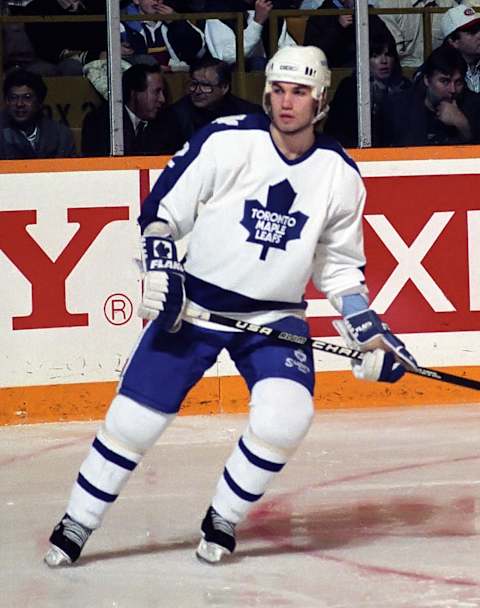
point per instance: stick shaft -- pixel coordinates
(321, 345)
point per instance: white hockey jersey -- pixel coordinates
(261, 225)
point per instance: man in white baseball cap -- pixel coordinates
(461, 29)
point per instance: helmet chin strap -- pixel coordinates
(322, 111)
(321, 115)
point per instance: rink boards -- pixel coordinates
(70, 283)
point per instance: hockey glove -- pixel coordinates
(386, 357)
(163, 288)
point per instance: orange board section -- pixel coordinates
(229, 394)
(110, 163)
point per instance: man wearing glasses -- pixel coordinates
(208, 97)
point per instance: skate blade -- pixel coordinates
(211, 553)
(55, 558)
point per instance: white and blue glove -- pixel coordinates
(163, 288)
(385, 356)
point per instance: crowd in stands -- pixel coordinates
(415, 100)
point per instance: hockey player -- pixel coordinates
(268, 204)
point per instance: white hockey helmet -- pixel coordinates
(305, 65)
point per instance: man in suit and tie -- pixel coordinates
(144, 130)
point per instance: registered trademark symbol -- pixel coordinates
(118, 309)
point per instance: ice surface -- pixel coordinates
(377, 509)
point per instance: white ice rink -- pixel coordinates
(377, 509)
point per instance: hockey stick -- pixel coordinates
(326, 347)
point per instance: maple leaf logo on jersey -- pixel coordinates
(273, 225)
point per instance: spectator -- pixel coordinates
(65, 47)
(17, 48)
(208, 97)
(336, 35)
(438, 110)
(407, 29)
(220, 34)
(173, 44)
(461, 29)
(144, 132)
(24, 131)
(385, 78)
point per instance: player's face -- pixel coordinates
(293, 107)
(147, 104)
(444, 87)
(22, 104)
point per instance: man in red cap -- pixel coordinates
(461, 29)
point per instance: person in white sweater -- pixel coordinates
(220, 34)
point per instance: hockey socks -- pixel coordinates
(246, 475)
(130, 429)
(102, 475)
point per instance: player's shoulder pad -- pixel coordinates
(325, 142)
(192, 149)
(239, 122)
(190, 154)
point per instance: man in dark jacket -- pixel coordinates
(144, 129)
(24, 131)
(439, 110)
(336, 35)
(386, 79)
(208, 98)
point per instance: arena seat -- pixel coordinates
(296, 28)
(69, 98)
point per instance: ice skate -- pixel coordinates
(67, 541)
(218, 538)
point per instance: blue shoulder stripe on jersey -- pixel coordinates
(325, 142)
(261, 463)
(236, 489)
(180, 162)
(216, 298)
(108, 454)
(91, 489)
